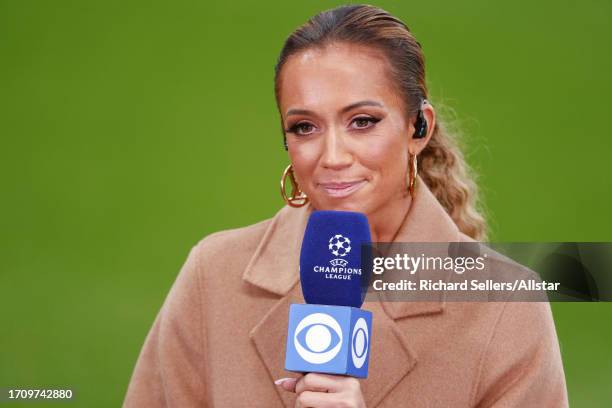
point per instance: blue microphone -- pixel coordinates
(331, 334)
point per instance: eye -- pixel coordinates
(364, 122)
(318, 338)
(301, 128)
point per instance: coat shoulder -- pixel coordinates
(232, 242)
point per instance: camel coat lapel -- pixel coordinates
(274, 267)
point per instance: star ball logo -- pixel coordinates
(339, 246)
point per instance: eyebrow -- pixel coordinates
(344, 110)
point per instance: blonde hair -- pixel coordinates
(441, 164)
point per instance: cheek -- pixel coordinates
(304, 159)
(385, 155)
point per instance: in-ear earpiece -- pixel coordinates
(420, 126)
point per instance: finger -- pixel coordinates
(288, 384)
(342, 382)
(311, 399)
(318, 382)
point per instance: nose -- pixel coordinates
(336, 154)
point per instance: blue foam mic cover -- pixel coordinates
(332, 269)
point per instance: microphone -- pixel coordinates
(331, 334)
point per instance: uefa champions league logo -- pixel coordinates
(339, 245)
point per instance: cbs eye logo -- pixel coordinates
(359, 342)
(318, 338)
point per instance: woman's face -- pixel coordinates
(346, 128)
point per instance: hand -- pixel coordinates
(324, 391)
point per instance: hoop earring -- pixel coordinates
(298, 198)
(412, 173)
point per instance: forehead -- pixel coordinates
(335, 76)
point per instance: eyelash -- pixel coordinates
(295, 128)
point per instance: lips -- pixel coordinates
(342, 189)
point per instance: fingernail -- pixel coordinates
(281, 380)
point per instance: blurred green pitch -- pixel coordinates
(130, 130)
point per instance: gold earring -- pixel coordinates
(298, 198)
(412, 173)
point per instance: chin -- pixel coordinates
(345, 204)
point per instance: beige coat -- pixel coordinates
(219, 338)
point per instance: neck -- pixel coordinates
(386, 221)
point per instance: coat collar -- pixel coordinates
(274, 267)
(275, 264)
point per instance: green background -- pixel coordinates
(130, 130)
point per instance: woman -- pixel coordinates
(350, 88)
